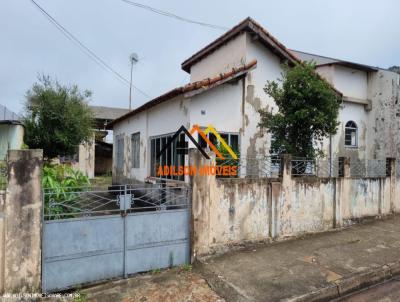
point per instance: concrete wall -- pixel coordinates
(11, 137)
(21, 224)
(86, 154)
(230, 55)
(351, 82)
(384, 122)
(163, 119)
(233, 211)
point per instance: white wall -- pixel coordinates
(222, 106)
(223, 59)
(163, 119)
(255, 141)
(351, 82)
(358, 114)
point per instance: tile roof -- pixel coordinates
(202, 85)
(247, 25)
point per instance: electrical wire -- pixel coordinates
(171, 15)
(95, 58)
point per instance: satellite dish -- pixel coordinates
(134, 58)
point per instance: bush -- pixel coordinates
(61, 185)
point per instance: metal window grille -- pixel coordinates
(135, 146)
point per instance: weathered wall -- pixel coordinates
(22, 222)
(223, 59)
(163, 119)
(11, 137)
(384, 121)
(86, 156)
(234, 211)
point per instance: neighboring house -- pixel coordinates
(95, 157)
(227, 78)
(11, 132)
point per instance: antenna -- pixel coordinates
(133, 58)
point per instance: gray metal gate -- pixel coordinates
(91, 234)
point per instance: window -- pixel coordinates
(120, 153)
(231, 139)
(350, 134)
(173, 156)
(135, 145)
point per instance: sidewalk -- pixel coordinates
(315, 268)
(177, 284)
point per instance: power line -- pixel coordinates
(95, 58)
(171, 15)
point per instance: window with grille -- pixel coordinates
(232, 139)
(120, 153)
(135, 149)
(350, 134)
(172, 156)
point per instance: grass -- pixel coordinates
(102, 181)
(80, 297)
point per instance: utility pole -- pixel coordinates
(134, 59)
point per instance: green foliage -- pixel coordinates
(155, 271)
(80, 297)
(57, 118)
(187, 267)
(62, 184)
(308, 111)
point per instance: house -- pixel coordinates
(95, 157)
(11, 132)
(227, 78)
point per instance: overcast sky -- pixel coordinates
(365, 31)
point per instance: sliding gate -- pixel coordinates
(92, 234)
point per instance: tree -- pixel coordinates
(57, 118)
(308, 108)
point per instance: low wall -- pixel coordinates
(20, 224)
(233, 211)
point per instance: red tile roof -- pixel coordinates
(252, 27)
(191, 87)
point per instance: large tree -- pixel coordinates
(308, 108)
(57, 118)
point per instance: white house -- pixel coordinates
(227, 78)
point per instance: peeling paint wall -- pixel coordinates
(160, 120)
(235, 211)
(230, 55)
(21, 224)
(384, 119)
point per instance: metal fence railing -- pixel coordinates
(253, 167)
(63, 203)
(368, 168)
(3, 175)
(270, 166)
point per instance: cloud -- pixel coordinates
(362, 31)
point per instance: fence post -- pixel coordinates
(23, 222)
(202, 188)
(284, 209)
(346, 167)
(391, 173)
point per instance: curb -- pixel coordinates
(218, 284)
(340, 288)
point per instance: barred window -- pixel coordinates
(135, 145)
(350, 134)
(120, 153)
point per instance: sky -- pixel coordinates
(363, 31)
